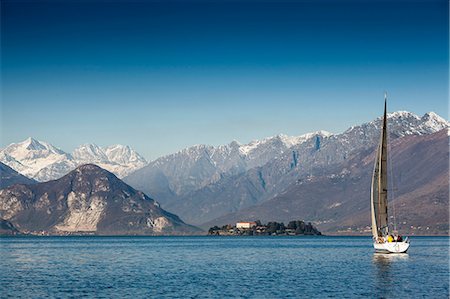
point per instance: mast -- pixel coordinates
(379, 184)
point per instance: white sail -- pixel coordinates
(379, 185)
(384, 242)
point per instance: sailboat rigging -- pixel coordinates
(384, 240)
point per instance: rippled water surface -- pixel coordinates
(219, 267)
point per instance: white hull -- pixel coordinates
(391, 247)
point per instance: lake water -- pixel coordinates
(220, 267)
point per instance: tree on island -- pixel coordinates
(296, 227)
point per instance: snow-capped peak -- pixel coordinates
(123, 154)
(402, 114)
(411, 124)
(403, 123)
(285, 140)
(31, 148)
(305, 137)
(42, 161)
(31, 156)
(119, 159)
(33, 144)
(433, 120)
(89, 153)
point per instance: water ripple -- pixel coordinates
(220, 267)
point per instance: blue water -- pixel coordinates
(220, 267)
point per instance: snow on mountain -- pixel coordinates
(258, 153)
(200, 165)
(89, 153)
(43, 162)
(123, 154)
(9, 177)
(54, 170)
(318, 155)
(337, 148)
(37, 159)
(119, 159)
(420, 164)
(280, 140)
(433, 122)
(197, 166)
(30, 149)
(172, 177)
(193, 167)
(10, 161)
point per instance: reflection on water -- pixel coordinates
(389, 258)
(386, 268)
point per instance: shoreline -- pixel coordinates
(206, 235)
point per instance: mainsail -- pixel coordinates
(379, 185)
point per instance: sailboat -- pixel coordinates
(384, 241)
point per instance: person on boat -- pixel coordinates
(380, 240)
(390, 238)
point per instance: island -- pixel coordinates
(256, 228)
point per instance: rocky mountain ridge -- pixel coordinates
(9, 177)
(201, 165)
(338, 200)
(202, 183)
(91, 200)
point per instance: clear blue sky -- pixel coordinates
(164, 75)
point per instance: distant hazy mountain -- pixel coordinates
(199, 166)
(43, 162)
(119, 159)
(87, 200)
(202, 183)
(339, 198)
(9, 176)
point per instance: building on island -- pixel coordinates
(245, 225)
(256, 228)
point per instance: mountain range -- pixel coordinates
(319, 177)
(88, 199)
(201, 184)
(199, 166)
(42, 161)
(337, 200)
